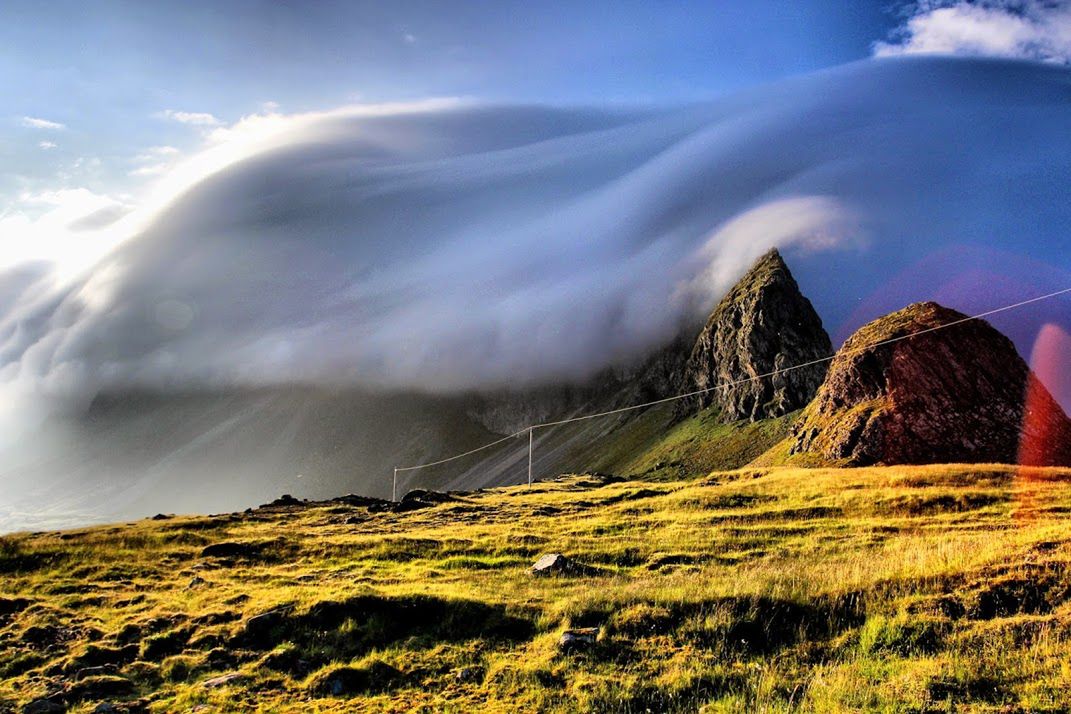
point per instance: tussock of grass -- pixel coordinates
(786, 589)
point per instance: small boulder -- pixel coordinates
(283, 501)
(578, 640)
(467, 675)
(48, 705)
(223, 680)
(554, 564)
(102, 670)
(195, 582)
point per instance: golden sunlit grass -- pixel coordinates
(928, 588)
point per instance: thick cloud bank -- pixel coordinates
(477, 245)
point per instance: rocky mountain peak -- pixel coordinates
(763, 323)
(959, 394)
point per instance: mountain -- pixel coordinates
(764, 323)
(959, 394)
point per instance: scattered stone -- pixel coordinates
(552, 564)
(372, 504)
(419, 498)
(48, 705)
(283, 501)
(195, 582)
(579, 639)
(98, 671)
(558, 564)
(467, 675)
(224, 680)
(105, 708)
(162, 517)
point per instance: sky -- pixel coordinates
(95, 91)
(249, 190)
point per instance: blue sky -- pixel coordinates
(111, 71)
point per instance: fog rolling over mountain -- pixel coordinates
(452, 247)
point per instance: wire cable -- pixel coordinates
(745, 380)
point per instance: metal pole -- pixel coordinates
(531, 430)
(394, 489)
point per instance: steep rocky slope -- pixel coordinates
(960, 394)
(764, 323)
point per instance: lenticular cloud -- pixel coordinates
(470, 245)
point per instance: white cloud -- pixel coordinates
(196, 118)
(409, 38)
(58, 227)
(1016, 29)
(39, 123)
(149, 170)
(46, 145)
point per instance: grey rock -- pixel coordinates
(763, 324)
(223, 680)
(469, 674)
(552, 564)
(44, 706)
(578, 639)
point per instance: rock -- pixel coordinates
(224, 680)
(95, 671)
(468, 675)
(48, 705)
(419, 498)
(283, 501)
(195, 582)
(763, 323)
(552, 564)
(161, 517)
(105, 708)
(579, 639)
(959, 394)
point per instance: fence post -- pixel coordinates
(531, 430)
(394, 488)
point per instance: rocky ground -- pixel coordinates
(924, 588)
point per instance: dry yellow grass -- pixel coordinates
(929, 588)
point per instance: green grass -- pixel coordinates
(656, 446)
(931, 588)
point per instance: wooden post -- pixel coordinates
(531, 430)
(394, 488)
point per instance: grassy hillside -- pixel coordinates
(655, 445)
(890, 589)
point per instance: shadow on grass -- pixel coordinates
(333, 631)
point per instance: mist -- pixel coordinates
(464, 245)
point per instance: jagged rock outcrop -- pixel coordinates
(959, 394)
(764, 323)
